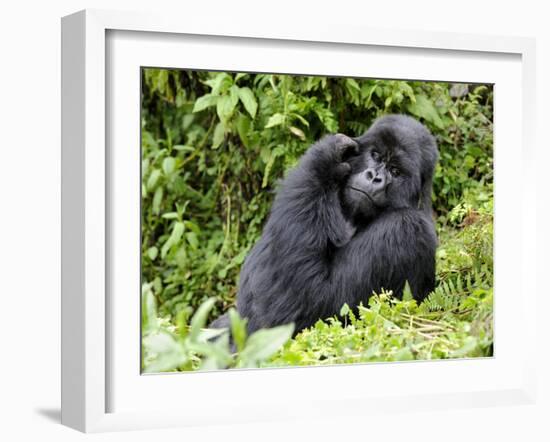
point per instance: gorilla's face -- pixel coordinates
(396, 158)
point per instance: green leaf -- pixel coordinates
(157, 200)
(297, 132)
(153, 179)
(352, 84)
(369, 95)
(248, 100)
(175, 236)
(404, 354)
(467, 349)
(327, 118)
(302, 119)
(168, 165)
(152, 253)
(278, 151)
(220, 83)
(181, 322)
(344, 311)
(275, 120)
(424, 108)
(192, 226)
(234, 95)
(186, 120)
(407, 293)
(263, 344)
(219, 135)
(207, 334)
(239, 76)
(216, 354)
(225, 107)
(167, 354)
(199, 318)
(238, 329)
(407, 90)
(148, 308)
(204, 102)
(183, 148)
(243, 128)
(192, 240)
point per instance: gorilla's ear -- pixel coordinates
(431, 155)
(425, 200)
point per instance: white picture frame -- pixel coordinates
(98, 368)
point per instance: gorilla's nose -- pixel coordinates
(376, 180)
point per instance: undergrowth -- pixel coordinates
(454, 321)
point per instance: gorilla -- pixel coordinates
(352, 218)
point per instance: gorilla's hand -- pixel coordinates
(328, 158)
(344, 148)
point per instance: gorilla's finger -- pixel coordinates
(347, 146)
(342, 171)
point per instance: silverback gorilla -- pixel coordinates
(353, 218)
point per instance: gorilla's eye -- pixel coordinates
(375, 155)
(395, 171)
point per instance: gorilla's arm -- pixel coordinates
(307, 209)
(398, 246)
(292, 258)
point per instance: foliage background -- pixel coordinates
(214, 145)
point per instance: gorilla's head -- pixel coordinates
(393, 169)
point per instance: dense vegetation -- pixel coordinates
(214, 146)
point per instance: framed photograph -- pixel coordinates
(259, 223)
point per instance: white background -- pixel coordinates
(30, 215)
(268, 389)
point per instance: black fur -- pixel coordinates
(353, 218)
